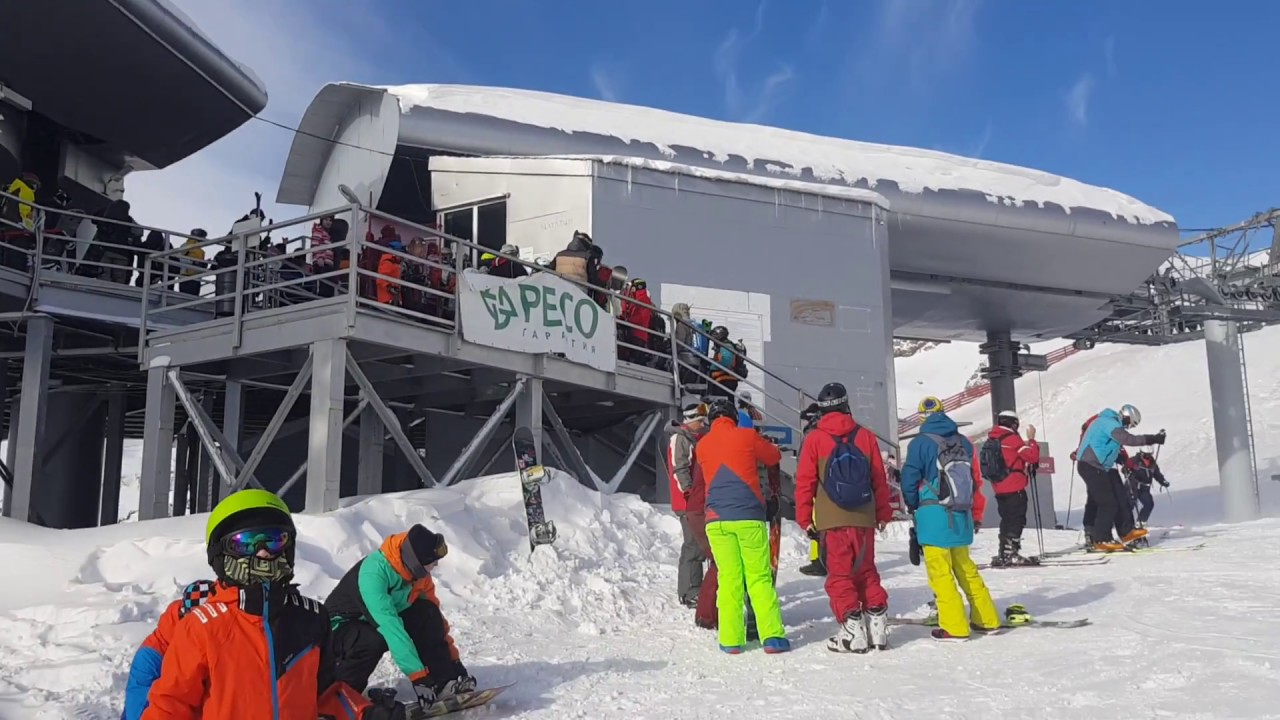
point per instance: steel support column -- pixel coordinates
(224, 459)
(157, 445)
(324, 448)
(1230, 421)
(28, 460)
(302, 469)
(233, 413)
(1002, 370)
(465, 458)
(369, 476)
(113, 457)
(273, 426)
(390, 421)
(576, 464)
(529, 405)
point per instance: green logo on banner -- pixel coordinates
(543, 310)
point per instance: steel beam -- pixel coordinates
(113, 458)
(273, 426)
(576, 463)
(390, 421)
(637, 444)
(369, 478)
(529, 412)
(297, 474)
(157, 445)
(28, 460)
(324, 447)
(233, 413)
(212, 439)
(465, 457)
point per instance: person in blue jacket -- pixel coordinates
(1096, 461)
(945, 533)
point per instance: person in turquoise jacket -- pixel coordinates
(1096, 460)
(387, 602)
(945, 534)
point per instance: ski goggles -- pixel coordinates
(247, 543)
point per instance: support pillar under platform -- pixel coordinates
(1230, 421)
(1002, 371)
(529, 412)
(157, 446)
(30, 417)
(324, 447)
(369, 473)
(113, 457)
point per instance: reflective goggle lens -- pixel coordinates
(249, 542)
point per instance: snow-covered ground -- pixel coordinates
(590, 627)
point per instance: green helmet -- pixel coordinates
(245, 510)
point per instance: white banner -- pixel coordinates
(542, 313)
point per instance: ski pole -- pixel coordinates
(1035, 499)
(1071, 489)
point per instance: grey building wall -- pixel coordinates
(671, 228)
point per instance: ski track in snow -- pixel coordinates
(590, 627)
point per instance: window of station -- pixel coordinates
(485, 225)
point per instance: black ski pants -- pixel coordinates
(1107, 493)
(358, 647)
(1013, 514)
(1146, 503)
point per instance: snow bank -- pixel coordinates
(913, 170)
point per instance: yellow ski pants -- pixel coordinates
(948, 567)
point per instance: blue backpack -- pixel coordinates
(848, 477)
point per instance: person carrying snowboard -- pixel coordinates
(387, 602)
(1007, 462)
(737, 511)
(942, 488)
(680, 444)
(1143, 470)
(144, 669)
(256, 647)
(1096, 463)
(841, 484)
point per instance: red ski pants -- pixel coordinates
(706, 614)
(853, 582)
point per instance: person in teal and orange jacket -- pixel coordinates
(387, 602)
(737, 515)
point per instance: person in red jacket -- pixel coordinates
(846, 532)
(1020, 458)
(640, 316)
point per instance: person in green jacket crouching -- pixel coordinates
(387, 601)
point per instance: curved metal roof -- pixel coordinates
(974, 245)
(135, 74)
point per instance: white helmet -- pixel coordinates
(1130, 415)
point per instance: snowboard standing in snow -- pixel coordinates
(532, 477)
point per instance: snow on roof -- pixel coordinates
(800, 186)
(913, 170)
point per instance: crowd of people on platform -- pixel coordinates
(725, 492)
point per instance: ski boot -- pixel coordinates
(943, 636)
(852, 637)
(1137, 538)
(1016, 615)
(814, 569)
(1016, 558)
(878, 627)
(1105, 547)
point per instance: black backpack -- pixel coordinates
(991, 461)
(740, 361)
(658, 340)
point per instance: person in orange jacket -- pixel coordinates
(256, 647)
(389, 275)
(145, 667)
(737, 512)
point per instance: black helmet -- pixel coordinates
(720, 333)
(721, 407)
(833, 398)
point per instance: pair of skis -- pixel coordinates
(1015, 616)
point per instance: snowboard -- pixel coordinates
(464, 701)
(932, 621)
(532, 477)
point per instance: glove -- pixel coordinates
(1157, 439)
(425, 689)
(771, 509)
(812, 533)
(1072, 456)
(913, 550)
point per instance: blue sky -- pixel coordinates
(1166, 101)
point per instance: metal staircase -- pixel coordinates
(1248, 415)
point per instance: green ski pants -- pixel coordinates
(741, 551)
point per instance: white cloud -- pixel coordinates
(740, 105)
(295, 48)
(983, 141)
(1077, 99)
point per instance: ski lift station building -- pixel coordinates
(816, 251)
